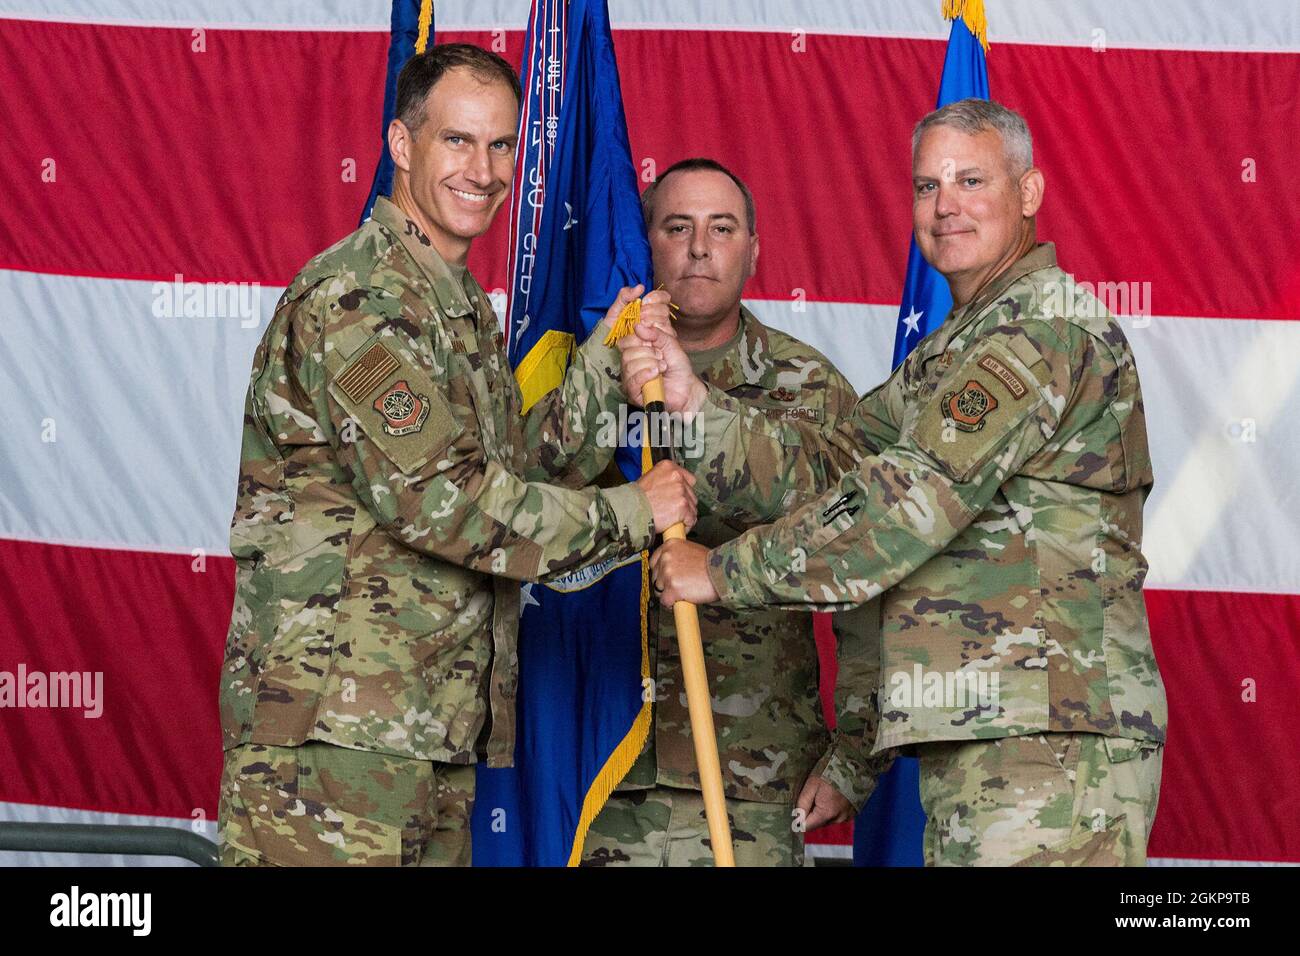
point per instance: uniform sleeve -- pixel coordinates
(885, 518)
(868, 424)
(417, 463)
(566, 436)
(755, 469)
(848, 763)
(865, 426)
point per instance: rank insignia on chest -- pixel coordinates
(968, 407)
(404, 412)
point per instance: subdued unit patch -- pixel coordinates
(968, 407)
(403, 411)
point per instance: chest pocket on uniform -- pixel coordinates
(395, 403)
(470, 379)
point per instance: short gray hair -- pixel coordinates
(973, 116)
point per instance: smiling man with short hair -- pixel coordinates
(990, 492)
(392, 495)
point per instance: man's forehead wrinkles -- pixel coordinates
(701, 215)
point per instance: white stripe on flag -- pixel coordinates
(147, 411)
(1169, 861)
(122, 426)
(1260, 26)
(828, 851)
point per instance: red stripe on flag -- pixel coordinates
(228, 164)
(225, 164)
(835, 834)
(1231, 788)
(156, 630)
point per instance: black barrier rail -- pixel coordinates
(97, 838)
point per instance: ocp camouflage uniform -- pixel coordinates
(992, 489)
(389, 505)
(762, 666)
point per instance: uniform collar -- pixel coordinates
(1041, 256)
(448, 289)
(738, 364)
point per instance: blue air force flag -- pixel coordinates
(576, 238)
(411, 33)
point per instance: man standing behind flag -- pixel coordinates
(762, 663)
(992, 488)
(390, 501)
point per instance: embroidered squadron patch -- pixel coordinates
(968, 407)
(404, 412)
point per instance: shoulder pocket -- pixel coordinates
(976, 410)
(1123, 749)
(395, 404)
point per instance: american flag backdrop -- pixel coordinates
(168, 167)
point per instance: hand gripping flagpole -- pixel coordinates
(689, 644)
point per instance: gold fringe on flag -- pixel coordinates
(625, 323)
(629, 748)
(629, 317)
(972, 14)
(426, 21)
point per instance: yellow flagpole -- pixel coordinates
(690, 647)
(698, 699)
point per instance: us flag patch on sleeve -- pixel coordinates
(368, 372)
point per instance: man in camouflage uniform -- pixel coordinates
(390, 502)
(992, 489)
(762, 663)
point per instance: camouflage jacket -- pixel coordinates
(389, 504)
(992, 488)
(762, 662)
